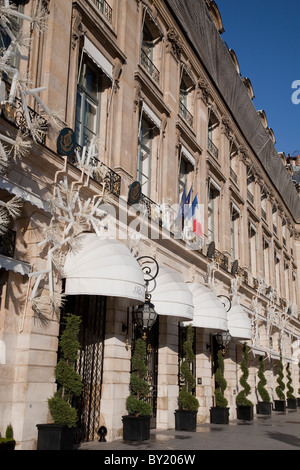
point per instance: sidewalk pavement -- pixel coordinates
(280, 431)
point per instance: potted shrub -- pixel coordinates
(219, 414)
(186, 416)
(291, 399)
(280, 404)
(263, 407)
(8, 442)
(136, 426)
(244, 405)
(60, 434)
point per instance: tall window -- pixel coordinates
(151, 47)
(287, 279)
(87, 105)
(186, 171)
(235, 218)
(252, 248)
(186, 98)
(277, 270)
(213, 126)
(213, 210)
(266, 253)
(144, 156)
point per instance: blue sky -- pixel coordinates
(265, 35)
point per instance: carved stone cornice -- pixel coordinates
(174, 43)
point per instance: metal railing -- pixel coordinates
(102, 173)
(263, 214)
(104, 8)
(213, 149)
(184, 112)
(15, 114)
(221, 259)
(150, 67)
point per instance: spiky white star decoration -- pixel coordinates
(20, 84)
(71, 216)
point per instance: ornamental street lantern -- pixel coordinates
(223, 338)
(144, 316)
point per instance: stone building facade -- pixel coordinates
(139, 108)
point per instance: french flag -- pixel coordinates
(194, 214)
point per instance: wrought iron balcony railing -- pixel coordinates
(184, 112)
(213, 149)
(243, 274)
(221, 259)
(102, 173)
(150, 67)
(8, 243)
(15, 114)
(105, 9)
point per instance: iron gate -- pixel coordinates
(92, 310)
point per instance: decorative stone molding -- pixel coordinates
(174, 44)
(137, 95)
(205, 90)
(117, 70)
(77, 29)
(227, 126)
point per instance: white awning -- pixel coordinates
(104, 267)
(239, 323)
(98, 58)
(209, 311)
(188, 155)
(10, 264)
(171, 296)
(24, 194)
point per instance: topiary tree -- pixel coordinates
(241, 398)
(290, 391)
(187, 401)
(221, 401)
(263, 392)
(281, 386)
(68, 380)
(136, 404)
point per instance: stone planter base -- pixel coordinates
(185, 420)
(264, 408)
(219, 415)
(280, 405)
(136, 428)
(245, 413)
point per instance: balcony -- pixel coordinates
(213, 149)
(264, 214)
(102, 174)
(15, 114)
(150, 67)
(104, 8)
(184, 112)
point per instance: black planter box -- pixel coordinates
(55, 437)
(245, 413)
(280, 405)
(185, 420)
(292, 403)
(8, 445)
(264, 408)
(298, 401)
(136, 428)
(219, 415)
